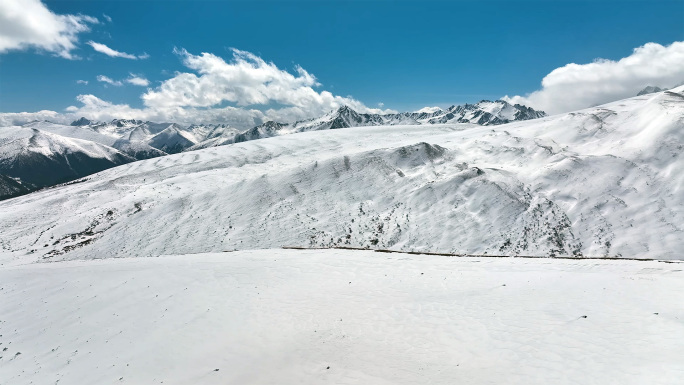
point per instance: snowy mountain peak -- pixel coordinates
(486, 113)
(429, 110)
(345, 109)
(83, 121)
(126, 122)
(649, 90)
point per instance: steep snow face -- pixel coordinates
(137, 150)
(342, 317)
(36, 159)
(172, 140)
(605, 181)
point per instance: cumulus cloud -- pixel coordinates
(247, 80)
(102, 48)
(137, 80)
(242, 92)
(577, 86)
(95, 108)
(26, 24)
(108, 80)
(84, 82)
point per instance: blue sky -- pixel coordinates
(403, 54)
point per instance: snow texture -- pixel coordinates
(342, 317)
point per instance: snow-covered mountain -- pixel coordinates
(144, 140)
(484, 113)
(649, 90)
(31, 159)
(172, 139)
(600, 182)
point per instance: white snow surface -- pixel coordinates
(342, 317)
(601, 182)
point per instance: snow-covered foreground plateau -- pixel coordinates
(341, 317)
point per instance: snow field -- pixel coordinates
(341, 317)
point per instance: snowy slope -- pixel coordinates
(342, 317)
(35, 159)
(77, 132)
(605, 181)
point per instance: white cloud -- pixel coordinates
(102, 48)
(108, 80)
(577, 86)
(84, 82)
(242, 93)
(28, 24)
(107, 18)
(95, 108)
(19, 118)
(247, 80)
(137, 80)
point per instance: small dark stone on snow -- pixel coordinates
(655, 313)
(328, 367)
(216, 370)
(584, 316)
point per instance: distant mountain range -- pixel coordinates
(41, 154)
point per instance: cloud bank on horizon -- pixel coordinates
(577, 86)
(199, 97)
